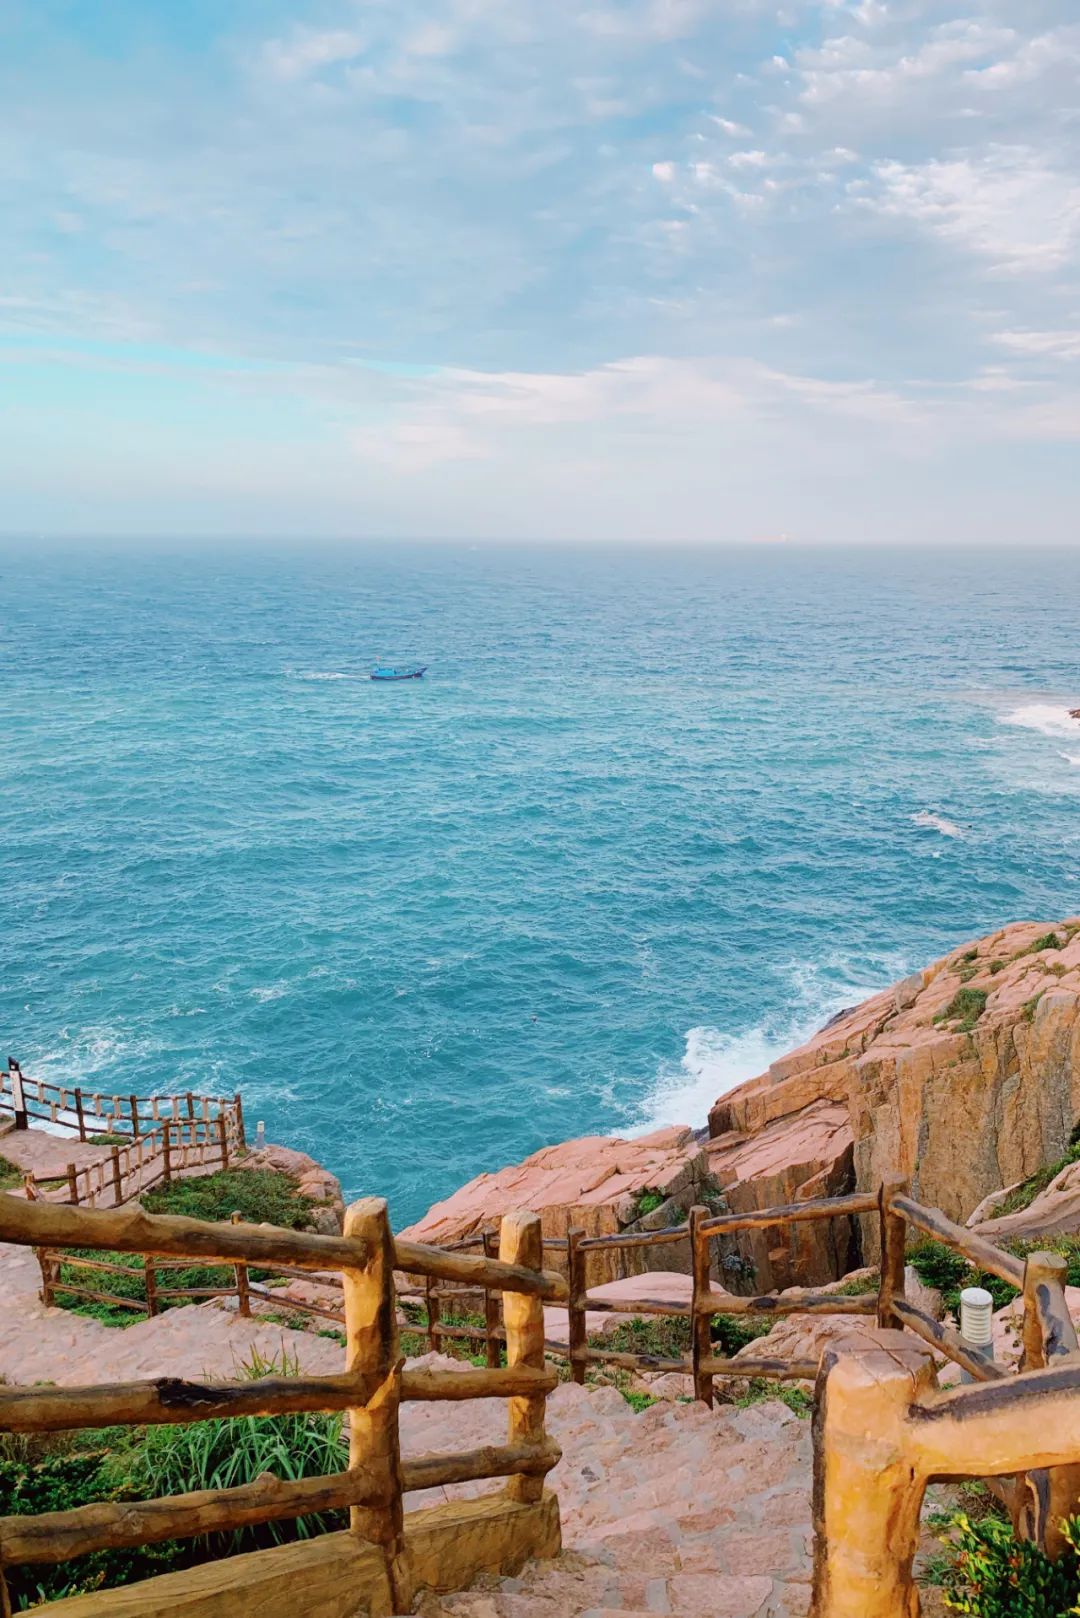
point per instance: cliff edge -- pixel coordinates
(964, 1077)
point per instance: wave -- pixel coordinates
(1070, 758)
(715, 1062)
(1045, 717)
(320, 674)
(929, 822)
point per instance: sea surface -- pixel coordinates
(650, 818)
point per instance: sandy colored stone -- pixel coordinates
(592, 1182)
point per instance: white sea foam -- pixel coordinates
(318, 674)
(714, 1062)
(273, 991)
(1045, 717)
(1070, 758)
(929, 822)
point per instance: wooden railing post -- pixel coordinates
(372, 1355)
(48, 1276)
(118, 1191)
(701, 1322)
(150, 1282)
(577, 1334)
(79, 1113)
(241, 1138)
(521, 1242)
(166, 1151)
(223, 1140)
(134, 1103)
(492, 1314)
(1041, 1500)
(867, 1495)
(243, 1290)
(433, 1304)
(893, 1241)
(73, 1184)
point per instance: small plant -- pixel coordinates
(859, 1286)
(10, 1175)
(260, 1196)
(967, 1005)
(1030, 1007)
(939, 1266)
(647, 1202)
(1047, 941)
(759, 1390)
(988, 1573)
(109, 1140)
(971, 954)
(637, 1401)
(1025, 1193)
(995, 967)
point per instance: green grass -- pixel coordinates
(1024, 1195)
(1030, 1007)
(967, 1005)
(859, 1288)
(940, 1266)
(637, 1401)
(258, 1195)
(10, 1175)
(109, 1140)
(995, 967)
(647, 1202)
(759, 1390)
(119, 1464)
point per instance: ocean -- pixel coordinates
(651, 817)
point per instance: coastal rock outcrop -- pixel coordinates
(600, 1183)
(963, 1077)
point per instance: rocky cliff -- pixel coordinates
(965, 1077)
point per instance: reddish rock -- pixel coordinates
(593, 1182)
(961, 1097)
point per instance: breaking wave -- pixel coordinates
(1045, 717)
(929, 822)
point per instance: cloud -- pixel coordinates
(1009, 207)
(307, 50)
(1063, 345)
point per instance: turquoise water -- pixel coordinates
(649, 819)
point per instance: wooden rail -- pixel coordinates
(371, 1388)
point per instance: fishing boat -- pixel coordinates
(399, 674)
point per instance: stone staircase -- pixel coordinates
(676, 1510)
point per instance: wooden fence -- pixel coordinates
(91, 1112)
(370, 1387)
(154, 1138)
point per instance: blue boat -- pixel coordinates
(399, 674)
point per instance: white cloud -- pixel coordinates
(1063, 345)
(1008, 206)
(307, 50)
(664, 171)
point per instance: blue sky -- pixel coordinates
(680, 270)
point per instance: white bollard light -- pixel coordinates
(260, 1140)
(977, 1323)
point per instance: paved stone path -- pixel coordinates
(677, 1510)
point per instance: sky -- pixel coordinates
(689, 271)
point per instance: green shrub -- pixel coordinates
(939, 1266)
(1030, 1007)
(10, 1175)
(1047, 941)
(637, 1401)
(1024, 1194)
(759, 1390)
(258, 1195)
(647, 1202)
(967, 1005)
(988, 1573)
(666, 1337)
(60, 1482)
(859, 1286)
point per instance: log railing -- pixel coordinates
(84, 1113)
(371, 1387)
